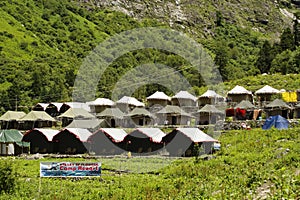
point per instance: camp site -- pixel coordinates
(139, 99)
(133, 140)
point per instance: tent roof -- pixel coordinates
(159, 95)
(111, 112)
(130, 101)
(184, 95)
(81, 133)
(48, 133)
(209, 109)
(37, 116)
(210, 94)
(88, 124)
(43, 105)
(7, 136)
(277, 121)
(239, 90)
(78, 105)
(155, 134)
(57, 105)
(196, 135)
(245, 104)
(102, 102)
(277, 103)
(172, 110)
(139, 112)
(76, 113)
(116, 134)
(267, 90)
(12, 115)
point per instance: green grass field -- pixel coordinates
(253, 164)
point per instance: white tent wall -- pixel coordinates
(7, 149)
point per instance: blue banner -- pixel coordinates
(70, 169)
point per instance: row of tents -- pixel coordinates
(182, 99)
(168, 115)
(107, 141)
(245, 110)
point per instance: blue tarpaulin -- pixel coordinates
(277, 121)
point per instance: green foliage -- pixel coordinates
(7, 178)
(252, 164)
(287, 40)
(43, 43)
(296, 29)
(265, 57)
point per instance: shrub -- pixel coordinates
(7, 178)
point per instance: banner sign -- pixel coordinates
(69, 169)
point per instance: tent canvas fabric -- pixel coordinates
(130, 101)
(155, 134)
(139, 112)
(53, 109)
(10, 136)
(48, 133)
(210, 109)
(71, 141)
(81, 133)
(277, 121)
(277, 103)
(92, 124)
(182, 142)
(267, 90)
(196, 135)
(239, 90)
(68, 105)
(173, 110)
(159, 95)
(76, 113)
(184, 95)
(40, 140)
(56, 104)
(111, 113)
(102, 102)
(37, 116)
(40, 107)
(11, 142)
(107, 142)
(144, 140)
(210, 94)
(116, 134)
(12, 115)
(245, 105)
(210, 97)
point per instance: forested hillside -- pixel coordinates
(42, 43)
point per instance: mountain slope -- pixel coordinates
(200, 17)
(42, 43)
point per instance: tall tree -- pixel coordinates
(265, 58)
(222, 58)
(287, 40)
(296, 28)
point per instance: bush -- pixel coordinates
(7, 178)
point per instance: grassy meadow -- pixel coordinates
(252, 164)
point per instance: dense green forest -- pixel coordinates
(43, 43)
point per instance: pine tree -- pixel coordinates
(287, 40)
(222, 58)
(296, 27)
(265, 57)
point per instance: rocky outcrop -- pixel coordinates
(199, 17)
